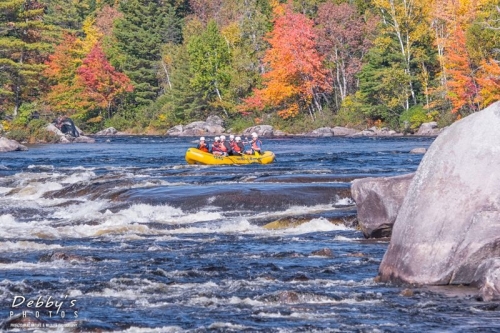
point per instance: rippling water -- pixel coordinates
(127, 237)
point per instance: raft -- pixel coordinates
(196, 156)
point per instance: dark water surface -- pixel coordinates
(133, 239)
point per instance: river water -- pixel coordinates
(123, 235)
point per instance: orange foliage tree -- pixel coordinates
(65, 94)
(461, 83)
(489, 81)
(296, 75)
(103, 83)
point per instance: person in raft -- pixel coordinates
(231, 143)
(203, 146)
(256, 145)
(225, 146)
(216, 147)
(237, 146)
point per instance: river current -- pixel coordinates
(123, 235)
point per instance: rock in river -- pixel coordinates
(449, 222)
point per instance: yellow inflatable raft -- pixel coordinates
(196, 156)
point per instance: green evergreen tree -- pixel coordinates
(23, 50)
(67, 15)
(210, 60)
(140, 34)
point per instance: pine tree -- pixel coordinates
(23, 50)
(140, 34)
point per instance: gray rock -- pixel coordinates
(428, 129)
(279, 133)
(176, 130)
(321, 132)
(213, 126)
(10, 145)
(449, 221)
(420, 150)
(261, 130)
(66, 138)
(378, 201)
(487, 279)
(343, 131)
(107, 131)
(215, 120)
(84, 139)
(52, 128)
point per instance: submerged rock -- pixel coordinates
(378, 201)
(285, 223)
(10, 145)
(326, 252)
(55, 256)
(418, 151)
(449, 222)
(487, 279)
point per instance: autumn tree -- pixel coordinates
(296, 75)
(102, 82)
(344, 38)
(65, 94)
(407, 22)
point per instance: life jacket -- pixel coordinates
(216, 146)
(223, 147)
(203, 147)
(235, 147)
(255, 146)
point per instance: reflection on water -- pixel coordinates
(142, 242)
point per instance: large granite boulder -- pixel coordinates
(67, 138)
(449, 222)
(378, 201)
(10, 145)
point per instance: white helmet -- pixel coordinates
(231, 137)
(238, 139)
(254, 135)
(216, 138)
(223, 137)
(202, 138)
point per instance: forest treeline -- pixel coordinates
(146, 65)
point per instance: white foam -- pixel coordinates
(78, 177)
(27, 246)
(298, 210)
(344, 202)
(164, 329)
(315, 225)
(41, 167)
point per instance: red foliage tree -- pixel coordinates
(103, 84)
(296, 74)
